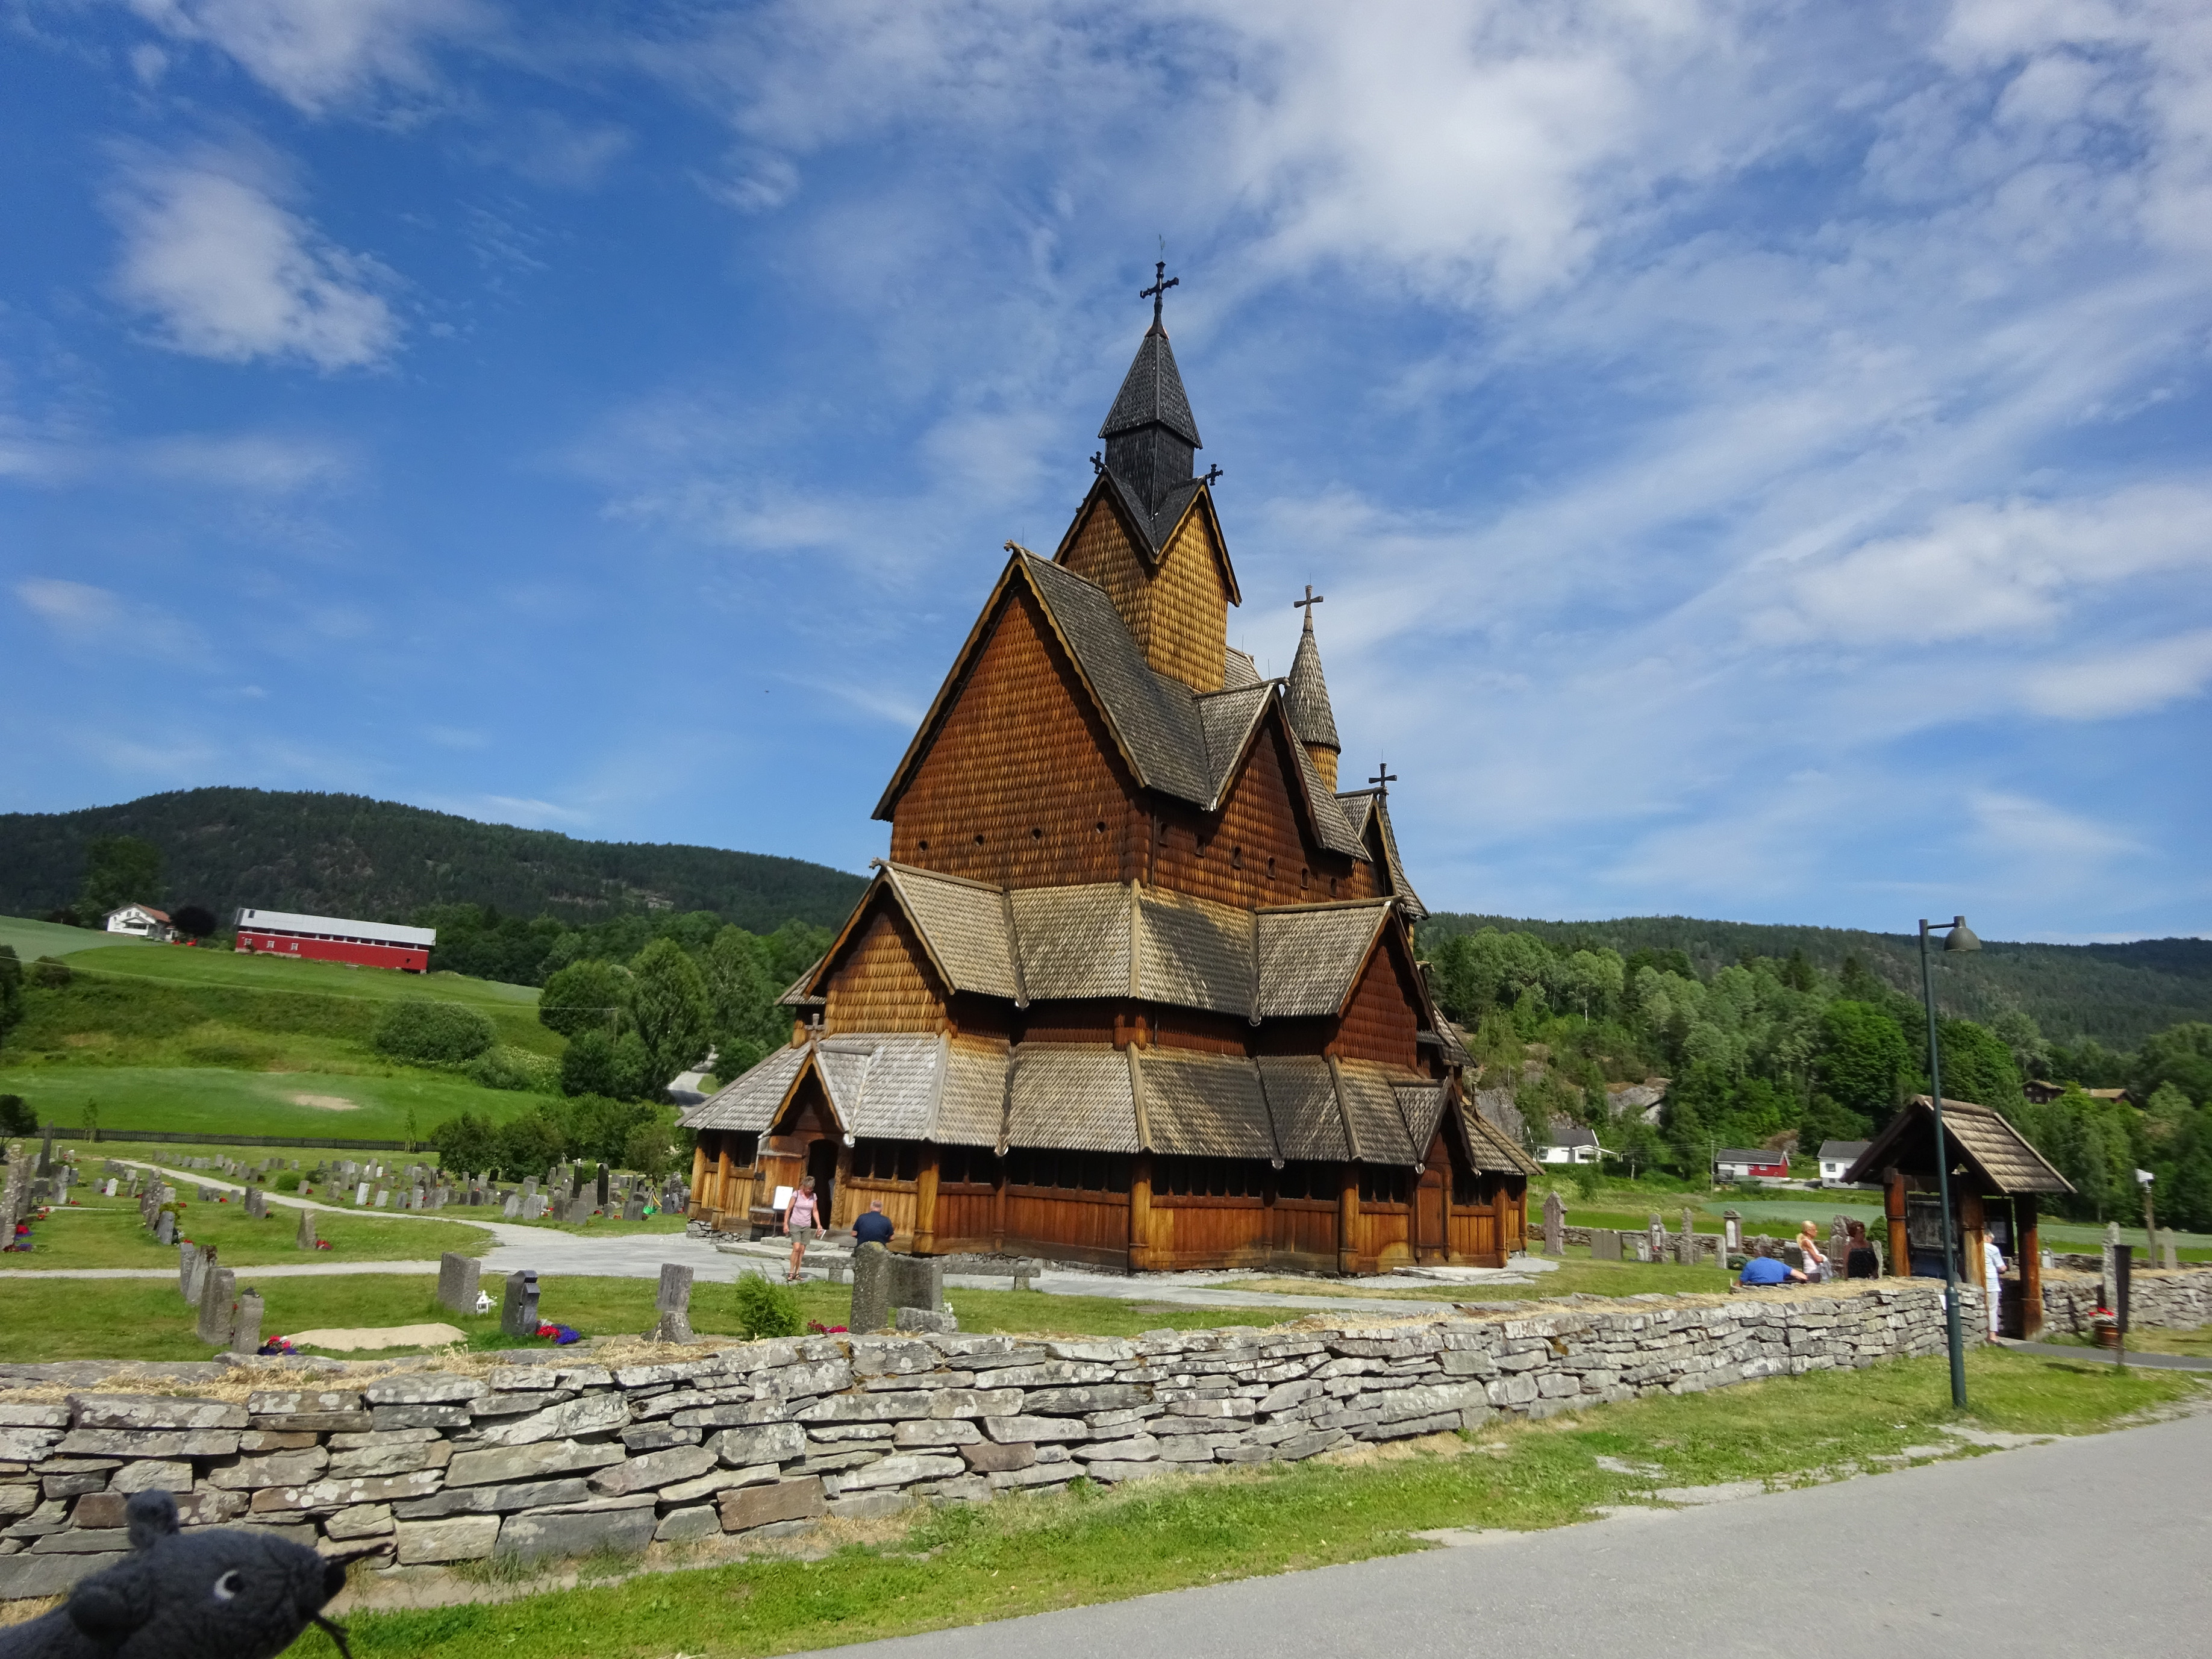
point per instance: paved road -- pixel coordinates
(2101, 1544)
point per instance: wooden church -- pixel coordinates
(1136, 986)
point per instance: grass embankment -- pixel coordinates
(193, 1040)
(1031, 1554)
(34, 940)
(1570, 1277)
(2148, 1338)
(147, 1318)
(105, 1232)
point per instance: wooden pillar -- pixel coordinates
(2031, 1266)
(1501, 1208)
(698, 1175)
(1143, 1255)
(722, 1167)
(840, 1177)
(1974, 1230)
(1892, 1207)
(924, 1204)
(999, 1211)
(1348, 1219)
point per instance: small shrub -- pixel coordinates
(16, 1117)
(767, 1309)
(52, 972)
(288, 1183)
(419, 1029)
(505, 1067)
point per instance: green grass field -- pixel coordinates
(34, 940)
(215, 1101)
(147, 1318)
(963, 1566)
(105, 1232)
(176, 965)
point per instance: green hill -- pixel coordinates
(352, 856)
(2116, 994)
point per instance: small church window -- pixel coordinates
(1236, 858)
(1271, 869)
(1036, 834)
(979, 838)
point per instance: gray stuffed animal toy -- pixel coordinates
(212, 1593)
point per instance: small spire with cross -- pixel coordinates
(1161, 283)
(1384, 777)
(1210, 476)
(1307, 604)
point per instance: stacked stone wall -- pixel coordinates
(562, 1456)
(2179, 1299)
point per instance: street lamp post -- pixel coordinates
(1960, 938)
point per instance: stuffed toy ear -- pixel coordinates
(108, 1609)
(152, 1516)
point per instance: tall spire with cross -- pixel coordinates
(1150, 433)
(1305, 697)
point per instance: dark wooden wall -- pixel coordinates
(884, 982)
(1382, 1022)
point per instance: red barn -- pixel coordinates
(334, 938)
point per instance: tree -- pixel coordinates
(588, 1066)
(1797, 972)
(2031, 1054)
(2181, 1055)
(585, 996)
(744, 1022)
(1977, 1067)
(670, 1012)
(467, 1145)
(120, 870)
(530, 1144)
(1861, 1058)
(194, 921)
(427, 1029)
(11, 990)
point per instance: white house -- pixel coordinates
(1569, 1143)
(1837, 1157)
(142, 920)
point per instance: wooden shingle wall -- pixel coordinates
(1178, 612)
(1022, 774)
(1226, 857)
(885, 982)
(1382, 1022)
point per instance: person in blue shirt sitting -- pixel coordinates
(1769, 1270)
(875, 1227)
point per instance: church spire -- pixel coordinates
(1305, 696)
(1149, 432)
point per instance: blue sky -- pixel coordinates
(1755, 455)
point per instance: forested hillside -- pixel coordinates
(2117, 994)
(350, 855)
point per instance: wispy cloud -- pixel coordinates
(222, 270)
(315, 54)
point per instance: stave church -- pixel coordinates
(1137, 986)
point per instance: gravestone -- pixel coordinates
(1555, 1224)
(165, 1226)
(1731, 1232)
(633, 1209)
(420, 1195)
(674, 1304)
(457, 1281)
(1657, 1230)
(109, 1189)
(872, 1289)
(47, 1153)
(580, 1211)
(1643, 1246)
(191, 1259)
(218, 1309)
(305, 1238)
(361, 1195)
(2171, 1258)
(533, 1207)
(1605, 1244)
(383, 1196)
(246, 1324)
(512, 1209)
(2110, 1293)
(1839, 1244)
(1792, 1257)
(918, 1281)
(602, 1189)
(518, 1310)
(207, 1195)
(14, 1196)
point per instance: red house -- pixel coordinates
(334, 938)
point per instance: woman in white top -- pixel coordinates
(800, 1220)
(1816, 1264)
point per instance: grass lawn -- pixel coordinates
(146, 1319)
(205, 1100)
(2195, 1344)
(1031, 1554)
(105, 1232)
(1591, 1278)
(34, 940)
(178, 966)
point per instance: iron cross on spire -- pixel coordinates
(1161, 283)
(1305, 604)
(1384, 777)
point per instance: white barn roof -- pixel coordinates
(371, 932)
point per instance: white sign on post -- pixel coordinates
(782, 1199)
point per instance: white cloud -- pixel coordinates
(74, 610)
(2133, 679)
(226, 272)
(316, 54)
(90, 617)
(263, 463)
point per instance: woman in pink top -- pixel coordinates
(800, 1220)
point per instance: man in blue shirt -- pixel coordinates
(873, 1227)
(1769, 1270)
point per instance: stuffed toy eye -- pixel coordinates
(228, 1585)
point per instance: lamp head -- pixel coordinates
(1960, 938)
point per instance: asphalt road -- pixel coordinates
(2100, 1545)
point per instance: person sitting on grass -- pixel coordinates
(1762, 1270)
(875, 1227)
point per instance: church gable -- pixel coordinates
(1258, 849)
(1177, 606)
(1383, 1020)
(1021, 783)
(881, 980)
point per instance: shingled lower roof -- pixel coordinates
(751, 1103)
(1998, 1151)
(1309, 954)
(1302, 1103)
(1198, 1105)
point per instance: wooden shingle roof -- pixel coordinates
(1997, 1152)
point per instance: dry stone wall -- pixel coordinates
(559, 1457)
(2180, 1298)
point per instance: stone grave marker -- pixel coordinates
(246, 1326)
(1643, 1246)
(1555, 1224)
(633, 1209)
(872, 1289)
(190, 1260)
(218, 1310)
(1605, 1244)
(305, 1238)
(917, 1285)
(383, 1197)
(673, 1303)
(1839, 1243)
(458, 1277)
(1731, 1232)
(580, 1211)
(165, 1226)
(361, 1195)
(110, 1187)
(1657, 1250)
(2110, 1294)
(511, 1208)
(518, 1310)
(2172, 1258)
(533, 1207)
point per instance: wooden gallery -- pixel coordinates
(1137, 984)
